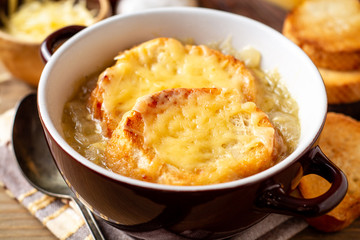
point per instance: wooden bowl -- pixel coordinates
(22, 58)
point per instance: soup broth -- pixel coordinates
(85, 134)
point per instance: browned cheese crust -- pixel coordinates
(146, 55)
(129, 155)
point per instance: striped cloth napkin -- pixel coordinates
(61, 216)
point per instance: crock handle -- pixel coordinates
(274, 199)
(54, 40)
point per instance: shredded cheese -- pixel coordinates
(206, 127)
(164, 64)
(35, 20)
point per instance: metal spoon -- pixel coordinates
(35, 160)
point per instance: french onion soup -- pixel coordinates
(183, 114)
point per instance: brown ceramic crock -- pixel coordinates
(154, 211)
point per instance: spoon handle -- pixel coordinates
(90, 220)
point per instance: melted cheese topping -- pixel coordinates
(35, 20)
(165, 64)
(201, 140)
(190, 131)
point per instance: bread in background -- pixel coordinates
(286, 4)
(328, 32)
(340, 141)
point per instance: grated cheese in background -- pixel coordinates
(35, 20)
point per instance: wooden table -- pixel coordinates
(17, 223)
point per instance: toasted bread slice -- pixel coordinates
(193, 137)
(328, 31)
(341, 86)
(159, 64)
(340, 141)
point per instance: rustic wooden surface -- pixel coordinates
(351, 232)
(17, 223)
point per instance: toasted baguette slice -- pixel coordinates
(328, 31)
(340, 141)
(341, 86)
(159, 64)
(193, 137)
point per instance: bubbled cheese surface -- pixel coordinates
(161, 64)
(190, 131)
(35, 20)
(193, 137)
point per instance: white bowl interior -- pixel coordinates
(92, 48)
